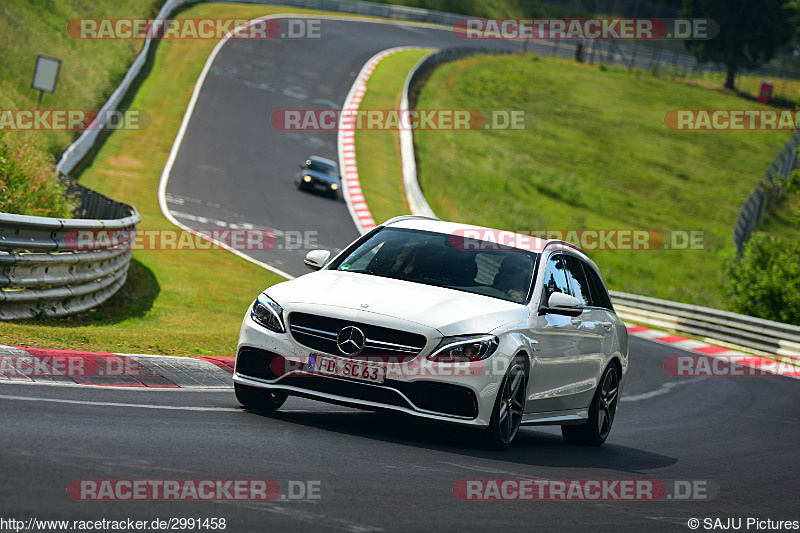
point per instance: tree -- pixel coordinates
(765, 281)
(749, 31)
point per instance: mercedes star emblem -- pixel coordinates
(350, 340)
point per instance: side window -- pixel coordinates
(577, 279)
(555, 280)
(600, 296)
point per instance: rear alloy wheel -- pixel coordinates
(257, 399)
(594, 431)
(508, 407)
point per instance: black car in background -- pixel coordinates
(319, 175)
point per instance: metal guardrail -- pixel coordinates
(42, 273)
(754, 334)
(765, 191)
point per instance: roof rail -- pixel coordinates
(562, 245)
(408, 217)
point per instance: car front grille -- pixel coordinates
(320, 333)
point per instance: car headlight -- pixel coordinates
(334, 186)
(306, 178)
(465, 348)
(268, 313)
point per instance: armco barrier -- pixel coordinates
(756, 334)
(765, 191)
(40, 272)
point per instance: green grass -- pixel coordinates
(782, 220)
(379, 167)
(749, 84)
(175, 302)
(90, 70)
(28, 183)
(599, 156)
(494, 8)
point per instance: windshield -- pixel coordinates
(321, 167)
(431, 258)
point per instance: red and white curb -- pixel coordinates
(73, 367)
(783, 366)
(353, 195)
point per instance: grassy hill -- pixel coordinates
(90, 71)
(595, 154)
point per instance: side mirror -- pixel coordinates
(316, 259)
(562, 304)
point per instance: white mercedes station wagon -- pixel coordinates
(444, 321)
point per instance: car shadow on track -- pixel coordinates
(531, 447)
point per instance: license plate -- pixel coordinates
(320, 187)
(346, 368)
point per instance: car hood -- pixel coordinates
(321, 176)
(450, 311)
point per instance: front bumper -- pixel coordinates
(317, 185)
(463, 393)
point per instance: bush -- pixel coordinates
(765, 281)
(28, 183)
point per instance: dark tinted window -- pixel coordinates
(431, 258)
(555, 280)
(321, 167)
(600, 296)
(577, 279)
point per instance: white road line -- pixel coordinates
(119, 404)
(663, 389)
(163, 407)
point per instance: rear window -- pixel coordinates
(600, 296)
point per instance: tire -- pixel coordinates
(257, 399)
(508, 408)
(602, 411)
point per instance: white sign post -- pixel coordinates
(45, 75)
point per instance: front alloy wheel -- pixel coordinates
(594, 431)
(258, 399)
(507, 413)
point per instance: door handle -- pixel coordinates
(608, 325)
(576, 321)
